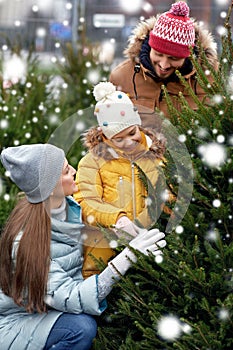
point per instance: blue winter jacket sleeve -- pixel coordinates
(67, 291)
(74, 296)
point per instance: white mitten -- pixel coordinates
(125, 224)
(149, 241)
(145, 242)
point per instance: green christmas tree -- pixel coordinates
(185, 301)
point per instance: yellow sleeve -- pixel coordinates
(89, 195)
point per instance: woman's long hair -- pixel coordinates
(25, 279)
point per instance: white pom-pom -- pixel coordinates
(102, 90)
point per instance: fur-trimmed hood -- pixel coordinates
(142, 30)
(95, 141)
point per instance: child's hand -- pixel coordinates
(125, 224)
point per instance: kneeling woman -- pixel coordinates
(44, 301)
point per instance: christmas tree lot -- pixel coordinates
(184, 299)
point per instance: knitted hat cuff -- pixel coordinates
(168, 47)
(115, 128)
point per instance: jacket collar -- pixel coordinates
(68, 231)
(186, 70)
(138, 151)
(95, 141)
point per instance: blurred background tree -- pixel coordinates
(35, 102)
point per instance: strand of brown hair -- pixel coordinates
(24, 276)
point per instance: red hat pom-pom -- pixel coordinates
(180, 8)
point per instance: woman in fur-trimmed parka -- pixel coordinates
(157, 48)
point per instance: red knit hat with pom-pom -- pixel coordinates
(174, 33)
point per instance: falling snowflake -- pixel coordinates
(148, 201)
(53, 119)
(84, 236)
(90, 219)
(80, 126)
(28, 135)
(216, 203)
(212, 235)
(223, 314)
(159, 258)
(220, 138)
(182, 138)
(186, 328)
(202, 132)
(14, 69)
(6, 197)
(88, 64)
(217, 99)
(213, 154)
(107, 52)
(113, 244)
(165, 195)
(35, 120)
(179, 229)
(93, 76)
(169, 328)
(4, 124)
(221, 30)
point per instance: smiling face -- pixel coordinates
(127, 139)
(165, 65)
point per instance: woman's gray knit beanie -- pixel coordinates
(35, 169)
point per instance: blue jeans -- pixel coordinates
(72, 332)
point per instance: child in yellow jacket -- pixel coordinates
(110, 189)
(108, 176)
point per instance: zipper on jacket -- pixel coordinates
(133, 191)
(121, 189)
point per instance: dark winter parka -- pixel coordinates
(137, 77)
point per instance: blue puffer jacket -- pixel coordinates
(66, 290)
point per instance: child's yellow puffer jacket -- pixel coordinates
(109, 186)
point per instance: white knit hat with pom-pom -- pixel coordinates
(114, 109)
